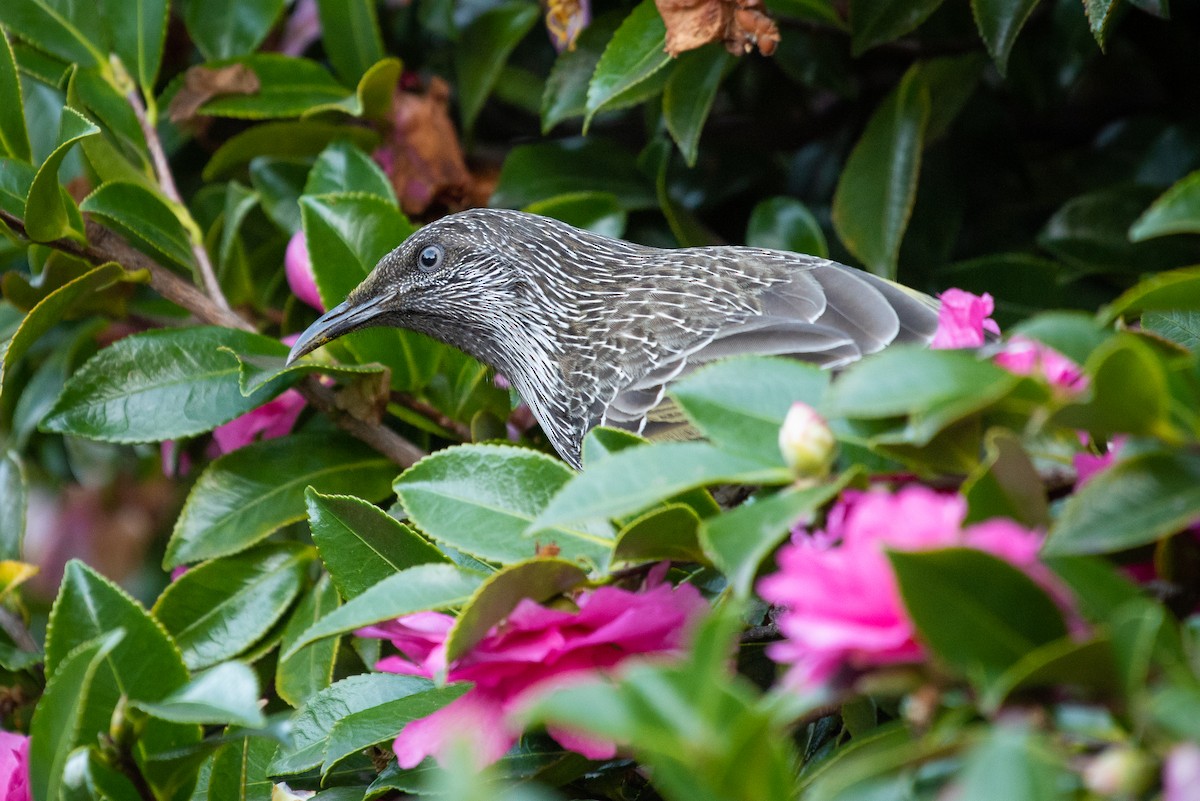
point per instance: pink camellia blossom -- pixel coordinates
(1089, 465)
(14, 767)
(533, 651)
(842, 604)
(964, 319)
(298, 268)
(275, 418)
(1025, 356)
(1181, 773)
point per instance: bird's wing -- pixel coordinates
(825, 314)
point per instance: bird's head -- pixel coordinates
(453, 279)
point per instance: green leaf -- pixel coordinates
(47, 216)
(1100, 17)
(15, 179)
(379, 724)
(740, 404)
(87, 776)
(361, 544)
(1095, 583)
(244, 496)
(217, 610)
(689, 96)
(1064, 662)
(13, 499)
(312, 725)
(373, 96)
(485, 47)
(1176, 211)
(874, 22)
(1013, 762)
(342, 167)
(310, 669)
(350, 34)
(279, 184)
(634, 53)
(1167, 291)
(538, 579)
(143, 217)
(549, 169)
(239, 202)
(226, 694)
(600, 212)
(740, 539)
(434, 586)
(160, 385)
(65, 30)
(282, 140)
(784, 223)
(999, 22)
(878, 186)
(565, 93)
(1127, 393)
(617, 486)
(138, 29)
(1136, 501)
(14, 139)
(57, 719)
(670, 533)
(229, 28)
(1181, 327)
(976, 611)
(482, 498)
(1006, 484)
(288, 87)
(240, 770)
(121, 154)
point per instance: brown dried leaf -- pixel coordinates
(741, 25)
(202, 84)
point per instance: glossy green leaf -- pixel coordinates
(87, 776)
(373, 96)
(784, 223)
(240, 770)
(1088, 664)
(123, 154)
(225, 694)
(1013, 762)
(740, 404)
(379, 724)
(1171, 290)
(740, 539)
(138, 29)
(482, 498)
(239, 202)
(288, 87)
(538, 579)
(14, 139)
(976, 611)
(350, 34)
(65, 30)
(874, 22)
(549, 169)
(1100, 16)
(342, 167)
(160, 385)
(13, 499)
(282, 140)
(15, 179)
(217, 610)
(58, 719)
(1006, 485)
(600, 212)
(634, 53)
(228, 28)
(310, 669)
(1127, 393)
(616, 486)
(484, 48)
(47, 216)
(1075, 335)
(689, 94)
(144, 218)
(361, 544)
(1177, 211)
(670, 533)
(565, 93)
(878, 186)
(245, 495)
(434, 586)
(1136, 501)
(279, 183)
(1181, 327)
(312, 725)
(999, 22)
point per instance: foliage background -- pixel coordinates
(1040, 151)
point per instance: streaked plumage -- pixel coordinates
(591, 330)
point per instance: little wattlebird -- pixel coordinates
(592, 330)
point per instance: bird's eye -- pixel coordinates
(430, 258)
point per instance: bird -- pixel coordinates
(592, 330)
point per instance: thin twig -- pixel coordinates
(167, 182)
(105, 246)
(431, 413)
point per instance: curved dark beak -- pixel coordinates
(338, 321)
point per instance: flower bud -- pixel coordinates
(298, 269)
(1118, 771)
(807, 444)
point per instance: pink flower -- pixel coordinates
(1024, 356)
(275, 418)
(843, 606)
(1088, 465)
(298, 268)
(533, 651)
(1181, 773)
(962, 320)
(14, 767)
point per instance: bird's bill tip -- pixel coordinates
(338, 321)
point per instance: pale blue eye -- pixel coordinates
(430, 258)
